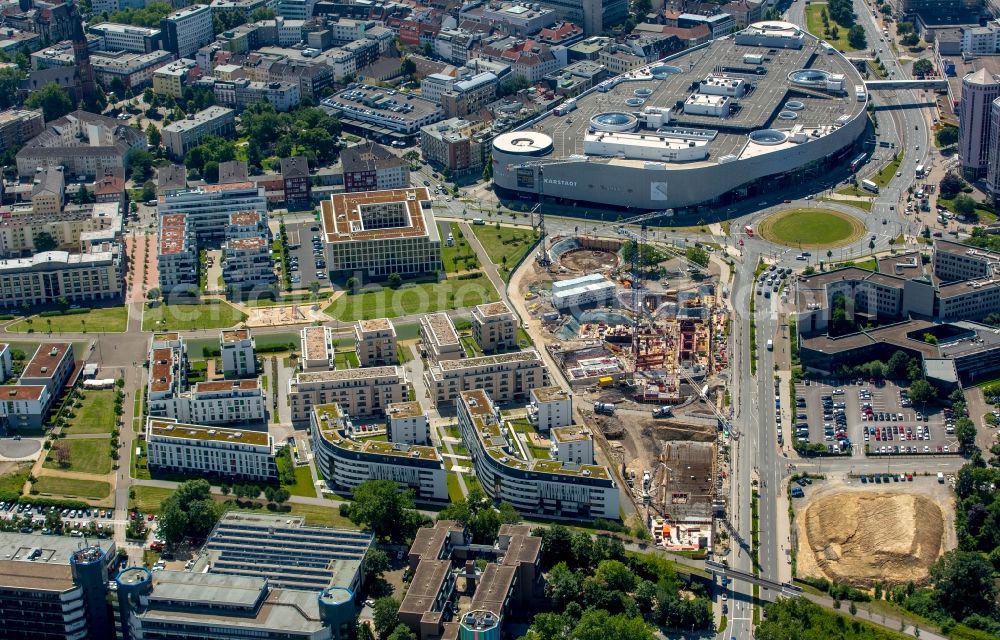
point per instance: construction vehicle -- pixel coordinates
(604, 408)
(663, 412)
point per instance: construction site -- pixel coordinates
(645, 349)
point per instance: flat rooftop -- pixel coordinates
(571, 434)
(424, 587)
(893, 334)
(346, 216)
(245, 244)
(227, 385)
(759, 109)
(46, 360)
(486, 361)
(331, 427)
(235, 335)
(550, 394)
(385, 103)
(377, 324)
(491, 309)
(244, 218)
(315, 345)
(401, 410)
(494, 585)
(441, 328)
(168, 429)
(364, 373)
(22, 392)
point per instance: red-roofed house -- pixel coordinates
(564, 33)
(529, 59)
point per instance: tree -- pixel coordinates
(385, 615)
(513, 84)
(153, 135)
(946, 136)
(148, 190)
(600, 625)
(281, 495)
(964, 205)
(963, 584)
(614, 575)
(562, 586)
(402, 632)
(51, 99)
(211, 172)
(911, 39)
(10, 82)
(53, 520)
(83, 195)
(365, 631)
(262, 13)
(856, 37)
(44, 241)
(930, 338)
(395, 280)
(904, 27)
(923, 67)
(965, 433)
(950, 184)
(351, 283)
(383, 507)
(642, 7)
(140, 165)
(408, 67)
(189, 511)
(922, 392)
(376, 563)
(697, 255)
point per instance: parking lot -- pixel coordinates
(303, 257)
(869, 418)
(771, 280)
(74, 523)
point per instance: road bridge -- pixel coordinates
(882, 85)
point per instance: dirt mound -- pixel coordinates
(861, 538)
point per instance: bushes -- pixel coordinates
(837, 591)
(67, 312)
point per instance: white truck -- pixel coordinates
(770, 345)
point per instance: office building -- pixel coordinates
(494, 326)
(54, 587)
(550, 407)
(359, 392)
(367, 107)
(406, 422)
(209, 450)
(171, 79)
(19, 125)
(48, 191)
(439, 338)
(372, 167)
(133, 70)
(209, 207)
(83, 143)
(347, 461)
(46, 277)
(468, 95)
(298, 182)
(459, 145)
(238, 357)
(186, 30)
(378, 233)
(177, 256)
(975, 131)
(545, 487)
(125, 37)
(176, 605)
(505, 377)
(318, 351)
(375, 342)
(180, 136)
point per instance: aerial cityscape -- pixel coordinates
(500, 319)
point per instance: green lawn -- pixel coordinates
(13, 482)
(94, 489)
(303, 483)
(149, 499)
(983, 215)
(97, 415)
(459, 256)
(106, 320)
(86, 455)
(347, 360)
(452, 431)
(188, 317)
(888, 172)
(472, 349)
(454, 489)
(505, 246)
(410, 299)
(404, 353)
(812, 228)
(814, 24)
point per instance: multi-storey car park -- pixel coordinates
(747, 113)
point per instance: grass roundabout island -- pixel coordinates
(811, 228)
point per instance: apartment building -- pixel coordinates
(439, 338)
(375, 342)
(125, 37)
(46, 277)
(237, 349)
(298, 182)
(318, 352)
(505, 377)
(460, 145)
(214, 451)
(527, 58)
(133, 70)
(171, 79)
(52, 587)
(19, 125)
(545, 487)
(244, 224)
(177, 255)
(83, 143)
(494, 326)
(359, 392)
(406, 422)
(209, 207)
(352, 57)
(186, 30)
(180, 136)
(23, 406)
(572, 445)
(469, 95)
(550, 407)
(378, 233)
(48, 191)
(372, 167)
(979, 90)
(429, 596)
(346, 461)
(52, 366)
(247, 264)
(981, 41)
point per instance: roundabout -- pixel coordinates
(811, 228)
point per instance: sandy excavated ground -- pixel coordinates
(863, 537)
